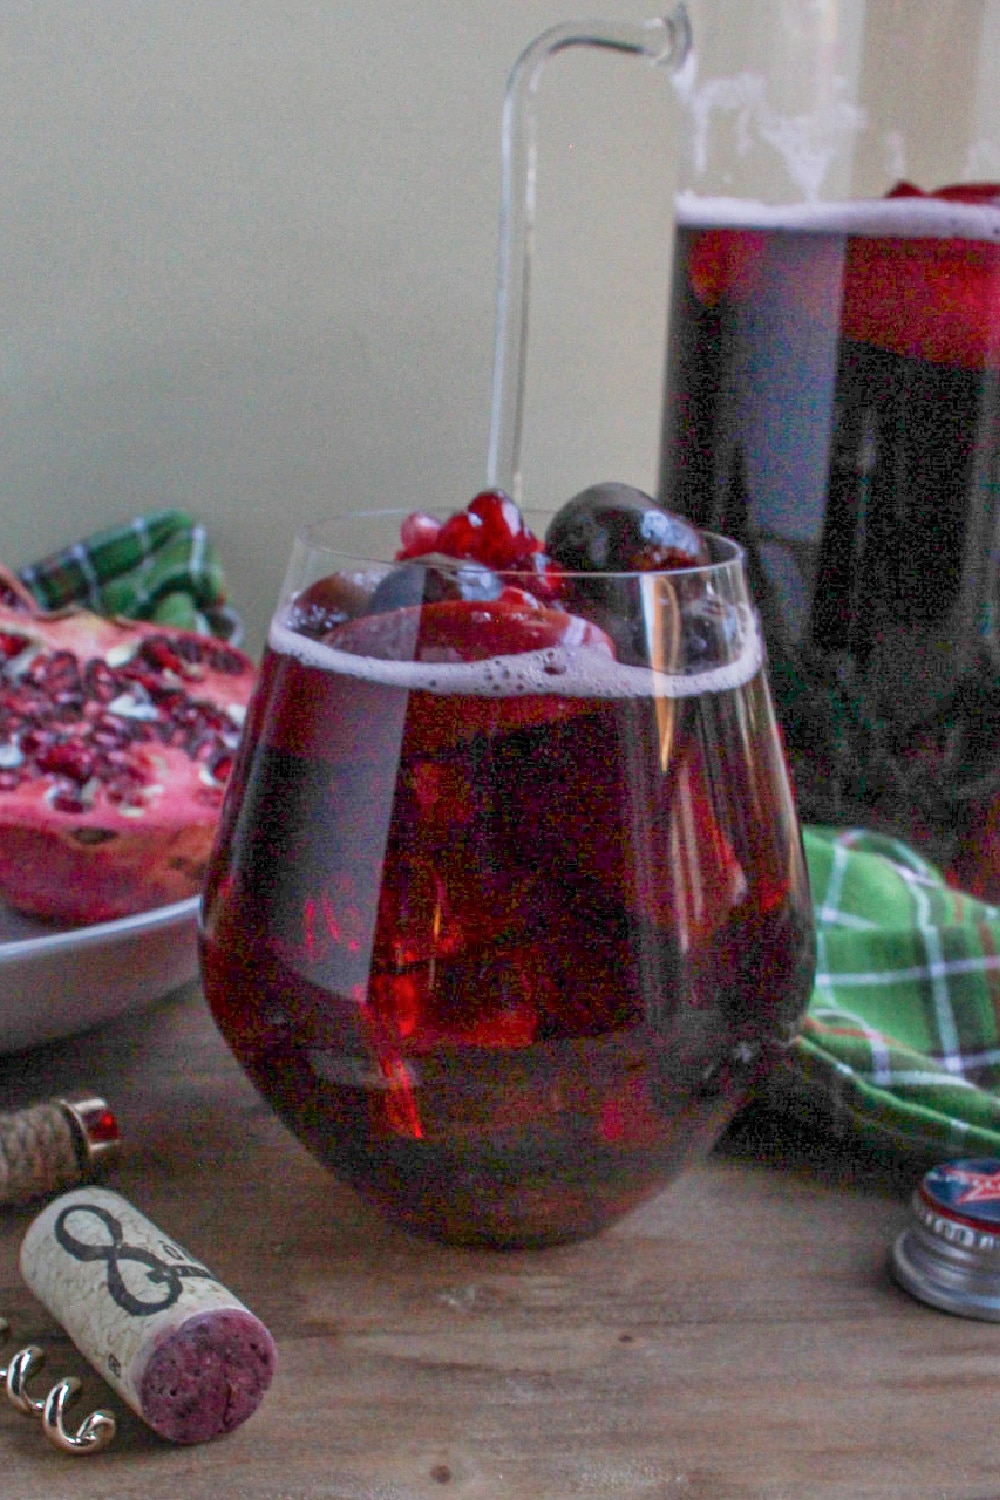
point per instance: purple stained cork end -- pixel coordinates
(207, 1376)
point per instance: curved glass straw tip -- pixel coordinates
(663, 41)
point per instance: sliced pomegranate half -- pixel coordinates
(116, 741)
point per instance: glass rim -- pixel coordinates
(316, 536)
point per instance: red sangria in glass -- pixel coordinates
(507, 913)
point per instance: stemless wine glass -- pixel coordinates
(507, 912)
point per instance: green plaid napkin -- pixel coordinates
(901, 1040)
(161, 566)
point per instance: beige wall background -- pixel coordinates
(249, 256)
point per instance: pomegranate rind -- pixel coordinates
(105, 859)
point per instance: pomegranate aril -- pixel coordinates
(505, 541)
(158, 651)
(58, 672)
(11, 645)
(168, 698)
(224, 659)
(221, 766)
(136, 675)
(110, 732)
(66, 759)
(209, 715)
(35, 739)
(459, 536)
(419, 534)
(118, 757)
(99, 680)
(68, 798)
(69, 702)
(189, 648)
(34, 712)
(122, 793)
(490, 531)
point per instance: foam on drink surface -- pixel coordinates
(899, 218)
(569, 671)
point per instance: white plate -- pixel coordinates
(57, 981)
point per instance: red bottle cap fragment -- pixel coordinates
(95, 1127)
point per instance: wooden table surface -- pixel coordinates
(737, 1338)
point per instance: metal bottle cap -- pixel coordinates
(94, 1127)
(949, 1254)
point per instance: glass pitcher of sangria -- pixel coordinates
(831, 395)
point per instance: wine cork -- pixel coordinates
(180, 1349)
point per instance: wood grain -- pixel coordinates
(736, 1339)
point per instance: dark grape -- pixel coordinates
(608, 531)
(614, 528)
(433, 579)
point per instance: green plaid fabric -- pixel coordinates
(902, 1039)
(161, 566)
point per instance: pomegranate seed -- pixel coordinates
(66, 759)
(221, 766)
(11, 645)
(222, 659)
(99, 681)
(158, 651)
(547, 577)
(67, 799)
(36, 739)
(168, 698)
(503, 533)
(419, 535)
(69, 705)
(137, 675)
(459, 535)
(210, 716)
(189, 648)
(60, 672)
(117, 758)
(108, 734)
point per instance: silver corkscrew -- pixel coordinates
(43, 1148)
(93, 1434)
